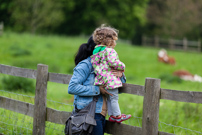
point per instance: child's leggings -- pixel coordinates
(112, 103)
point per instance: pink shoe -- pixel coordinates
(119, 119)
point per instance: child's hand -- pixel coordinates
(118, 73)
(103, 91)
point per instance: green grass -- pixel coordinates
(25, 50)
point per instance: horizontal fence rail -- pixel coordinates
(175, 95)
(52, 115)
(60, 117)
(172, 44)
(182, 96)
(30, 73)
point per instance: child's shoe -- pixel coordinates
(123, 117)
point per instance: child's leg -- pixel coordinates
(109, 108)
(114, 108)
(114, 102)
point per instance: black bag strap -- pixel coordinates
(95, 98)
(90, 130)
(70, 127)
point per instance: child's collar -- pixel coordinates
(100, 45)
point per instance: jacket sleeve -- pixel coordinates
(113, 59)
(123, 78)
(76, 87)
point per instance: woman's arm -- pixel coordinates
(76, 87)
(123, 78)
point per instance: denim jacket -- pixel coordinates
(82, 86)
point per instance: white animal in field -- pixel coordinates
(185, 75)
(163, 57)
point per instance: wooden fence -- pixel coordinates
(1, 28)
(151, 91)
(172, 44)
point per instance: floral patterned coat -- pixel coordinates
(103, 62)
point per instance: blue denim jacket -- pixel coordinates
(82, 86)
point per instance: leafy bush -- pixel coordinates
(24, 63)
(17, 83)
(170, 78)
(70, 69)
(17, 51)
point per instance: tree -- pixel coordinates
(4, 11)
(36, 14)
(78, 17)
(82, 17)
(176, 18)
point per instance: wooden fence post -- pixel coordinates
(156, 41)
(143, 40)
(171, 44)
(39, 118)
(150, 118)
(185, 44)
(1, 28)
(199, 46)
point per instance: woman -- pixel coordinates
(82, 85)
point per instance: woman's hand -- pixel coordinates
(117, 73)
(103, 91)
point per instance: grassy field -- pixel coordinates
(25, 50)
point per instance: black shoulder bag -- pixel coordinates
(81, 121)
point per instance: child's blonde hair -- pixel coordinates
(105, 35)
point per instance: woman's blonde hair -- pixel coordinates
(105, 35)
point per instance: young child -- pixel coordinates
(104, 60)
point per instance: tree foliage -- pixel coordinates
(36, 14)
(78, 17)
(172, 18)
(85, 16)
(133, 18)
(4, 11)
